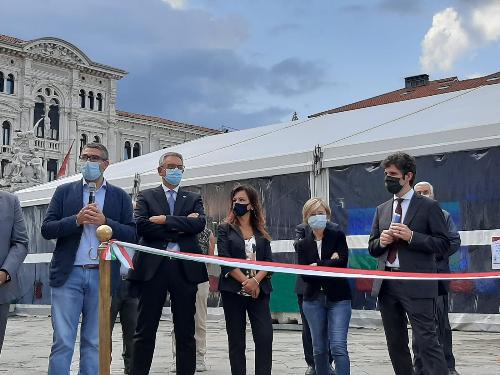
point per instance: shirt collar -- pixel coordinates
(407, 196)
(166, 189)
(86, 185)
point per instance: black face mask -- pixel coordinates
(240, 209)
(392, 184)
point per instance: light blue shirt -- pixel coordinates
(173, 246)
(87, 250)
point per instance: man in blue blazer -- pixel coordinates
(74, 213)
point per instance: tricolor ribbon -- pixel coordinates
(115, 251)
(302, 269)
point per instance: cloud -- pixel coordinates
(486, 20)
(184, 63)
(445, 42)
(176, 4)
(460, 32)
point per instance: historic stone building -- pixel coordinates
(51, 92)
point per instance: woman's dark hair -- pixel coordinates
(404, 162)
(257, 219)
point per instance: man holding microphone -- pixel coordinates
(74, 213)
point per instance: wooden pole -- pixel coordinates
(104, 234)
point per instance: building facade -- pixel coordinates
(51, 88)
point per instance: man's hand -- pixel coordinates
(401, 231)
(160, 219)
(386, 238)
(3, 277)
(93, 215)
(335, 256)
(314, 264)
(194, 215)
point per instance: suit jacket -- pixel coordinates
(178, 228)
(60, 224)
(336, 289)
(430, 238)
(443, 263)
(299, 234)
(13, 244)
(231, 244)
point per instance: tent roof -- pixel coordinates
(455, 121)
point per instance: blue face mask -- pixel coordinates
(173, 176)
(91, 170)
(317, 221)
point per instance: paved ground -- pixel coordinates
(28, 340)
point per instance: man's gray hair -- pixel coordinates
(422, 183)
(167, 154)
(100, 147)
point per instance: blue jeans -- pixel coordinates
(329, 323)
(78, 295)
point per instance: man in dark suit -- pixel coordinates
(72, 219)
(163, 223)
(442, 308)
(13, 250)
(408, 232)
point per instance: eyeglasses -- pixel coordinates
(93, 158)
(174, 166)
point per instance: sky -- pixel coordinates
(247, 63)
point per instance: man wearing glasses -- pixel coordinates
(169, 218)
(74, 213)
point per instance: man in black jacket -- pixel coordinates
(408, 232)
(442, 308)
(163, 223)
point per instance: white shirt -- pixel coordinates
(404, 207)
(318, 244)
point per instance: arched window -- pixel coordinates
(52, 169)
(1, 82)
(83, 142)
(82, 98)
(39, 113)
(99, 102)
(91, 100)
(136, 150)
(6, 133)
(54, 119)
(97, 139)
(127, 151)
(10, 84)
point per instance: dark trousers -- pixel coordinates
(123, 303)
(395, 306)
(4, 313)
(444, 335)
(168, 278)
(235, 311)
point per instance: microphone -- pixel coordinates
(92, 188)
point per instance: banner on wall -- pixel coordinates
(495, 253)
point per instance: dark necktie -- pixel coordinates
(393, 247)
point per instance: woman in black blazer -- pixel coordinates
(244, 236)
(327, 300)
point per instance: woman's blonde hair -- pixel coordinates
(312, 205)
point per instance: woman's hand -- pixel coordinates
(250, 286)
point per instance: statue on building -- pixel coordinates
(26, 168)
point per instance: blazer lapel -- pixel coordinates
(78, 193)
(415, 202)
(161, 199)
(386, 214)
